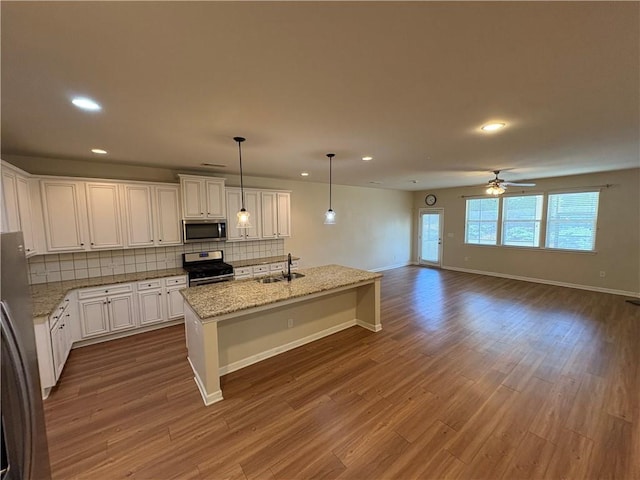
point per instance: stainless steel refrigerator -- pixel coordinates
(24, 453)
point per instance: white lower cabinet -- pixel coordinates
(160, 300)
(106, 309)
(89, 313)
(150, 302)
(175, 301)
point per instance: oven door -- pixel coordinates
(194, 282)
(204, 230)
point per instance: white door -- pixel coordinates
(215, 199)
(430, 236)
(137, 200)
(121, 312)
(168, 215)
(175, 303)
(269, 215)
(63, 209)
(193, 198)
(150, 302)
(94, 318)
(103, 208)
(26, 216)
(284, 215)
(234, 202)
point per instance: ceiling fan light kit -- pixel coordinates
(498, 186)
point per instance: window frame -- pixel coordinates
(542, 241)
(497, 222)
(595, 223)
(542, 223)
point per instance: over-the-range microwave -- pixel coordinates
(204, 230)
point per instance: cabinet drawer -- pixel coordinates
(175, 281)
(243, 271)
(105, 290)
(58, 313)
(295, 264)
(149, 284)
(278, 267)
(261, 270)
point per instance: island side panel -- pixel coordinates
(253, 337)
(202, 345)
(368, 306)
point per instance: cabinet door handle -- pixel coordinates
(92, 243)
(82, 244)
(159, 293)
(104, 303)
(160, 240)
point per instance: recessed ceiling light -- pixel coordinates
(304, 174)
(86, 104)
(492, 127)
(99, 151)
(366, 159)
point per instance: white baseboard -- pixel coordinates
(126, 333)
(546, 282)
(207, 398)
(245, 362)
(391, 267)
(368, 326)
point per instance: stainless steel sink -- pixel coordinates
(279, 278)
(269, 279)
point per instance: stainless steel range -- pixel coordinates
(206, 267)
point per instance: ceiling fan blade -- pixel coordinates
(512, 184)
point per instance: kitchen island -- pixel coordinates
(231, 325)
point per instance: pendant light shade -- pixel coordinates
(243, 215)
(330, 215)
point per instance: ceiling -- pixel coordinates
(408, 83)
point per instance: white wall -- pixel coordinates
(617, 238)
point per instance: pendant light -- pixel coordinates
(243, 215)
(330, 215)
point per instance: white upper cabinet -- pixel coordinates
(64, 213)
(103, 208)
(152, 215)
(276, 214)
(202, 197)
(167, 205)
(138, 215)
(252, 204)
(26, 214)
(10, 215)
(20, 207)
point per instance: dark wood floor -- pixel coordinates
(471, 377)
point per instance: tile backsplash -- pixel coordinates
(71, 266)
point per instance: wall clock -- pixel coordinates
(430, 200)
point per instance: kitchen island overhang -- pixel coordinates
(232, 325)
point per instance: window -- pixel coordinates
(521, 219)
(571, 220)
(482, 221)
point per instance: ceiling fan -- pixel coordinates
(497, 186)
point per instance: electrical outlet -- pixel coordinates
(602, 274)
(290, 323)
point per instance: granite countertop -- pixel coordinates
(219, 299)
(260, 261)
(46, 296)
